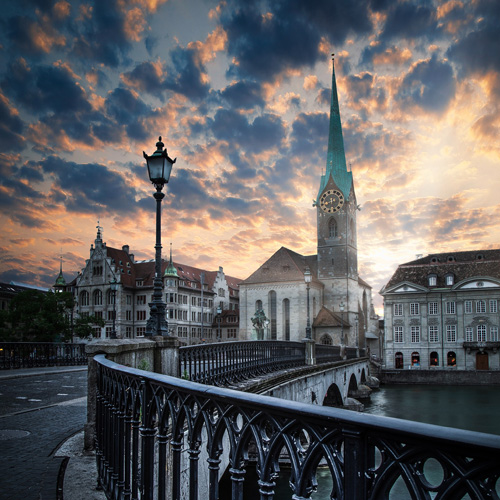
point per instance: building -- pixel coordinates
(274, 299)
(441, 311)
(193, 296)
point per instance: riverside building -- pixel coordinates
(441, 311)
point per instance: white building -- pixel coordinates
(441, 311)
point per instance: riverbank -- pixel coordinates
(440, 377)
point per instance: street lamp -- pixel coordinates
(219, 312)
(159, 168)
(114, 287)
(307, 279)
(342, 307)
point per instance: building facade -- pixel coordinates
(441, 311)
(340, 302)
(195, 298)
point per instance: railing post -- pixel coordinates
(355, 464)
(310, 352)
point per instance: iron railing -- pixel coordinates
(326, 353)
(37, 354)
(150, 429)
(229, 362)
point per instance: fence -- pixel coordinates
(151, 428)
(36, 354)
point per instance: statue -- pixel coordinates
(258, 321)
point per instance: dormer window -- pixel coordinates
(450, 279)
(451, 258)
(139, 283)
(432, 280)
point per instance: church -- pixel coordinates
(275, 299)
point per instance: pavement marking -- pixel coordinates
(21, 397)
(61, 394)
(35, 400)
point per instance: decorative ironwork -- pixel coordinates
(152, 432)
(229, 362)
(326, 353)
(37, 354)
(351, 352)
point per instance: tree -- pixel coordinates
(84, 326)
(38, 316)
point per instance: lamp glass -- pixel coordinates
(114, 285)
(159, 168)
(307, 276)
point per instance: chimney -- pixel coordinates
(125, 248)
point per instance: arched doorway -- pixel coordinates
(415, 359)
(398, 361)
(482, 362)
(451, 359)
(434, 359)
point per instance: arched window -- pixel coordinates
(415, 359)
(97, 298)
(110, 297)
(286, 319)
(326, 339)
(451, 359)
(398, 360)
(272, 313)
(84, 298)
(434, 359)
(332, 228)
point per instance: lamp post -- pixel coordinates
(114, 287)
(307, 279)
(159, 168)
(342, 307)
(266, 324)
(219, 312)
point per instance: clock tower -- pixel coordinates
(336, 220)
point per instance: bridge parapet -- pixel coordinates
(156, 424)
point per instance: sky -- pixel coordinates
(240, 92)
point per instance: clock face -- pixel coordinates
(331, 201)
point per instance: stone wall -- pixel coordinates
(440, 377)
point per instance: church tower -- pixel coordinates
(336, 220)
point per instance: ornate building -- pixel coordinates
(441, 311)
(201, 305)
(341, 308)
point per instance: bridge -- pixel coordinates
(171, 437)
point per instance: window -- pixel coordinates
(469, 334)
(451, 333)
(451, 359)
(493, 306)
(84, 299)
(450, 308)
(128, 332)
(140, 331)
(449, 279)
(468, 306)
(231, 333)
(108, 331)
(433, 334)
(139, 283)
(433, 308)
(398, 334)
(415, 334)
(432, 280)
(481, 333)
(193, 301)
(414, 308)
(129, 300)
(141, 315)
(128, 315)
(272, 313)
(222, 292)
(398, 309)
(97, 298)
(332, 228)
(111, 314)
(480, 306)
(98, 314)
(141, 300)
(326, 340)
(493, 333)
(398, 360)
(434, 359)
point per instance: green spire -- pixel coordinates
(60, 281)
(171, 270)
(335, 159)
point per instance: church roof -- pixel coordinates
(328, 318)
(335, 159)
(284, 265)
(462, 265)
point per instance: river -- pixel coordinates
(464, 407)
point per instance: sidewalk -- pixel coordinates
(44, 370)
